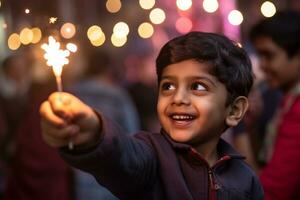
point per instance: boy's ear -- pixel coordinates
(236, 111)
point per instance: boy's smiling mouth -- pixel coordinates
(182, 117)
(182, 120)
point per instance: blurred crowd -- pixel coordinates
(269, 135)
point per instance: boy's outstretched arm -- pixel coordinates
(65, 118)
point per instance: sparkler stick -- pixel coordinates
(56, 58)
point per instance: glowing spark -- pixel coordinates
(27, 11)
(55, 57)
(52, 20)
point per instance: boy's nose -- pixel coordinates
(181, 97)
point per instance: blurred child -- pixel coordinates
(277, 43)
(204, 80)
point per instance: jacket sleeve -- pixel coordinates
(124, 164)
(281, 177)
(257, 190)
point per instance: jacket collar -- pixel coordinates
(223, 148)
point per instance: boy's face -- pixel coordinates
(191, 103)
(281, 71)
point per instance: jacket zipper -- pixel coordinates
(212, 191)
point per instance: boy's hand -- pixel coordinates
(65, 118)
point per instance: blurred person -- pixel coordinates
(277, 42)
(14, 84)
(141, 78)
(35, 171)
(204, 80)
(98, 89)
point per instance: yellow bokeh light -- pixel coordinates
(13, 41)
(184, 4)
(157, 16)
(68, 30)
(145, 30)
(121, 29)
(235, 17)
(113, 6)
(210, 6)
(37, 35)
(98, 42)
(72, 47)
(118, 41)
(268, 9)
(94, 33)
(147, 4)
(26, 36)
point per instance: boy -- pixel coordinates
(203, 83)
(277, 43)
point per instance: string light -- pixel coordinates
(184, 4)
(145, 30)
(36, 35)
(13, 41)
(210, 6)
(268, 9)
(113, 6)
(121, 29)
(118, 41)
(147, 4)
(157, 16)
(183, 25)
(235, 17)
(26, 36)
(27, 11)
(68, 30)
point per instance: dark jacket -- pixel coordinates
(152, 166)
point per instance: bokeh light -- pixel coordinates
(68, 30)
(121, 29)
(37, 35)
(113, 6)
(13, 41)
(26, 36)
(118, 41)
(235, 17)
(183, 25)
(147, 4)
(268, 9)
(145, 30)
(94, 33)
(72, 47)
(157, 16)
(99, 41)
(210, 6)
(184, 4)
(27, 11)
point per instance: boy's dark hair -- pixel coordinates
(229, 62)
(283, 28)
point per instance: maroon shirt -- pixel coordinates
(37, 171)
(281, 176)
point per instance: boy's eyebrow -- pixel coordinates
(192, 77)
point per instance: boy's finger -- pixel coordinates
(60, 104)
(59, 133)
(50, 117)
(55, 142)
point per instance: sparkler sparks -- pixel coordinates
(52, 20)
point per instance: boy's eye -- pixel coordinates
(198, 86)
(167, 86)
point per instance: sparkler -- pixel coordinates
(56, 58)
